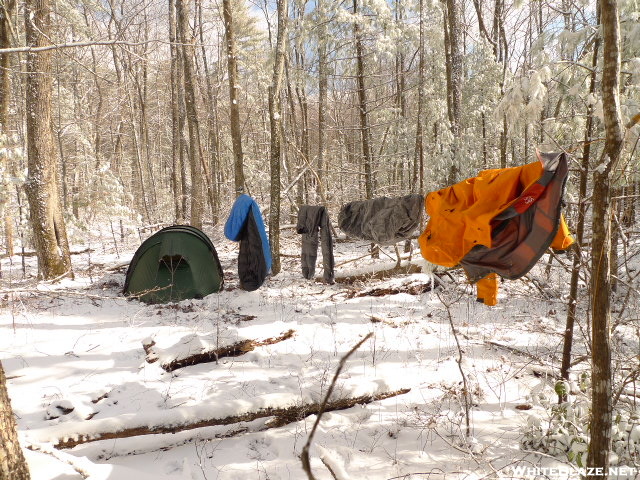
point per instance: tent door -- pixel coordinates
(174, 274)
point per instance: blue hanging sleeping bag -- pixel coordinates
(245, 225)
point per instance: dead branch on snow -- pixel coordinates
(282, 416)
(233, 350)
(380, 274)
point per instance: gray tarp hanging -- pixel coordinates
(382, 220)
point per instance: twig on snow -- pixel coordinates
(304, 456)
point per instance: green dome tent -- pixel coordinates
(174, 264)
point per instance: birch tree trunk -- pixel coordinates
(275, 122)
(12, 463)
(47, 223)
(234, 107)
(601, 408)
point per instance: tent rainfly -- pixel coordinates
(174, 264)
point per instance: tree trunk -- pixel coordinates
(300, 164)
(142, 83)
(137, 164)
(195, 150)
(304, 119)
(176, 134)
(500, 54)
(236, 133)
(418, 165)
(275, 122)
(322, 93)
(183, 148)
(5, 93)
(582, 211)
(616, 212)
(12, 463)
(49, 232)
(213, 141)
(143, 90)
(401, 166)
(504, 142)
(97, 116)
(365, 132)
(454, 93)
(601, 408)
(629, 210)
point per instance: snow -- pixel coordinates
(602, 166)
(333, 460)
(73, 354)
(194, 344)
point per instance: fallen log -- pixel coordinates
(233, 350)
(282, 416)
(377, 319)
(411, 288)
(380, 274)
(131, 446)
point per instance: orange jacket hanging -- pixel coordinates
(501, 221)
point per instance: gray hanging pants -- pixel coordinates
(314, 220)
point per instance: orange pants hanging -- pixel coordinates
(488, 289)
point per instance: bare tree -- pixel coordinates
(275, 122)
(418, 162)
(47, 223)
(213, 140)
(5, 93)
(500, 52)
(323, 78)
(453, 47)
(195, 150)
(177, 118)
(365, 131)
(601, 404)
(582, 210)
(234, 107)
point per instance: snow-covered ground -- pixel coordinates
(76, 367)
